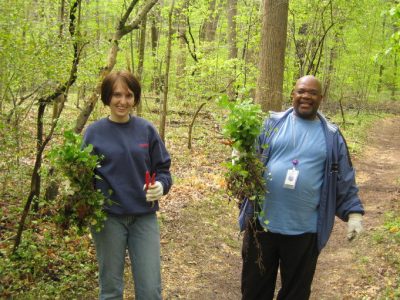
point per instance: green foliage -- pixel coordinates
(81, 205)
(47, 266)
(395, 37)
(357, 76)
(243, 124)
(242, 127)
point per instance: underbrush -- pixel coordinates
(48, 265)
(387, 240)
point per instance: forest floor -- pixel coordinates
(200, 240)
(201, 256)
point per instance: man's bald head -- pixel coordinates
(309, 78)
(307, 97)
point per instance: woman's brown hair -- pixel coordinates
(107, 86)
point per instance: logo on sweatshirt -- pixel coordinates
(144, 145)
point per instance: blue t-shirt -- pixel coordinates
(294, 211)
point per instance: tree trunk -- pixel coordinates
(232, 42)
(155, 82)
(247, 52)
(192, 124)
(380, 80)
(98, 33)
(36, 178)
(61, 18)
(393, 86)
(210, 24)
(381, 67)
(310, 39)
(181, 57)
(166, 83)
(329, 73)
(142, 47)
(272, 55)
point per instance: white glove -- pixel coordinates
(354, 225)
(154, 191)
(235, 156)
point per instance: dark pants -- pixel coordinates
(263, 252)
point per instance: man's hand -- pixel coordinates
(235, 156)
(354, 225)
(154, 191)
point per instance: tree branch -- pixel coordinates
(320, 43)
(125, 17)
(139, 17)
(184, 37)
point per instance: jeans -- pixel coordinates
(141, 236)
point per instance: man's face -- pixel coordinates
(307, 97)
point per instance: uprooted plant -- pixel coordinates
(80, 204)
(245, 173)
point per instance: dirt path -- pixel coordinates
(201, 246)
(354, 270)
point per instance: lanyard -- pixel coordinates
(295, 161)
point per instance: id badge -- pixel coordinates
(291, 179)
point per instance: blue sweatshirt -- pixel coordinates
(128, 150)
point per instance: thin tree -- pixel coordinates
(232, 42)
(156, 83)
(164, 106)
(209, 27)
(142, 46)
(41, 143)
(181, 13)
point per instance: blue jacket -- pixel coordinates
(339, 193)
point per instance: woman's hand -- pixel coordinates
(154, 191)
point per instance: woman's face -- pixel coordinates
(121, 103)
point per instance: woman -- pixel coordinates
(132, 153)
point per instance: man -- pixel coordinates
(310, 179)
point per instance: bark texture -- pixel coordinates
(272, 54)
